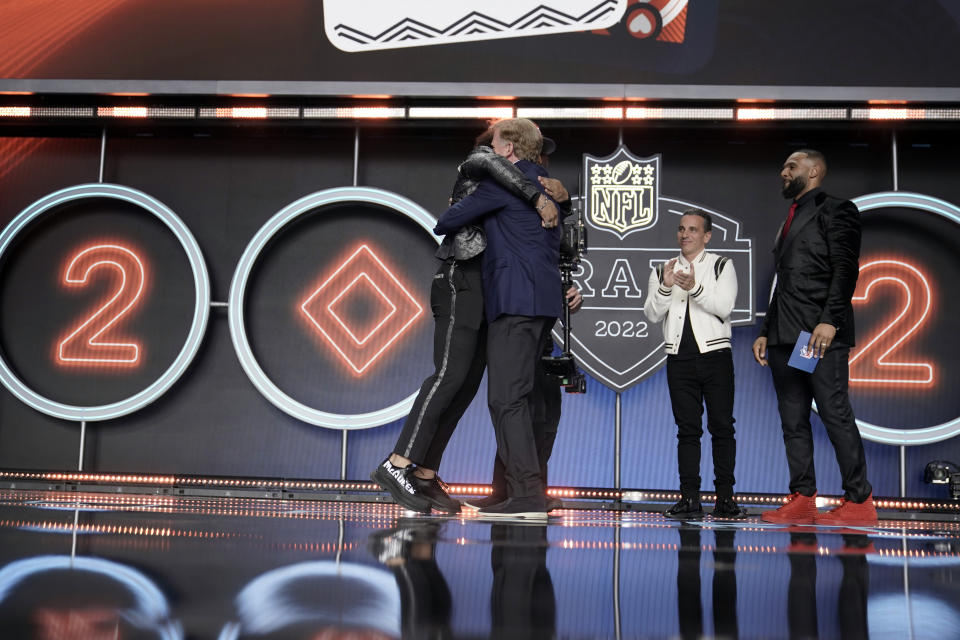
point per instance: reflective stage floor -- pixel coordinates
(98, 566)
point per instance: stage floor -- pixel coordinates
(92, 566)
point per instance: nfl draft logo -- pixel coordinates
(622, 193)
(633, 229)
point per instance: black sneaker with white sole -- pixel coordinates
(529, 508)
(436, 491)
(397, 481)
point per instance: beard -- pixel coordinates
(793, 188)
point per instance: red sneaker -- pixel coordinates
(850, 513)
(798, 509)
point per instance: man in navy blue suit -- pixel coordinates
(522, 294)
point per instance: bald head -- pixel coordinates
(803, 171)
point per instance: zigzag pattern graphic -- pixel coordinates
(475, 23)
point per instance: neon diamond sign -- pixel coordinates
(361, 309)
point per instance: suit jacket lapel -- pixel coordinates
(798, 223)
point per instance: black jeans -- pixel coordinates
(828, 386)
(459, 357)
(706, 378)
(513, 352)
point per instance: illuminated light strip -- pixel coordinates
(491, 113)
(63, 112)
(15, 112)
(899, 504)
(238, 286)
(201, 310)
(76, 279)
(678, 113)
(122, 112)
(904, 113)
(146, 112)
(354, 112)
(880, 361)
(249, 113)
(755, 113)
(909, 200)
(100, 477)
(571, 113)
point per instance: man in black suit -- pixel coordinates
(522, 294)
(817, 253)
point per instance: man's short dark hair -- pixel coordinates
(707, 220)
(815, 156)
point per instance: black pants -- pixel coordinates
(546, 418)
(828, 386)
(689, 607)
(459, 358)
(693, 381)
(522, 600)
(513, 353)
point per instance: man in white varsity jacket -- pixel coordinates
(693, 295)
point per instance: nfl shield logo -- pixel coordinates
(622, 192)
(632, 230)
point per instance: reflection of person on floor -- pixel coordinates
(689, 609)
(522, 603)
(854, 586)
(460, 340)
(425, 601)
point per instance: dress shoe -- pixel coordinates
(480, 502)
(798, 509)
(437, 492)
(685, 509)
(850, 513)
(528, 508)
(728, 509)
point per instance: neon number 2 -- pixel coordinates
(871, 364)
(85, 345)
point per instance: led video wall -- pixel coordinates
(227, 304)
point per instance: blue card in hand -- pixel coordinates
(803, 358)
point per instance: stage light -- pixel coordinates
(250, 113)
(571, 113)
(481, 113)
(678, 113)
(904, 113)
(754, 113)
(15, 112)
(146, 112)
(353, 112)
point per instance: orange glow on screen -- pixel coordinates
(881, 360)
(389, 309)
(92, 341)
